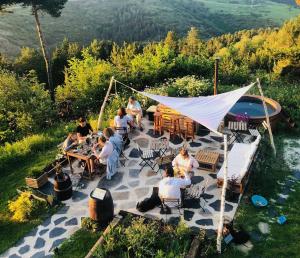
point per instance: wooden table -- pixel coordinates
(207, 160)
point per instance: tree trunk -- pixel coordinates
(44, 51)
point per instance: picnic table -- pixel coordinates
(207, 160)
(84, 153)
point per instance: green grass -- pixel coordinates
(78, 245)
(136, 20)
(16, 159)
(283, 240)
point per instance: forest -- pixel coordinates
(81, 73)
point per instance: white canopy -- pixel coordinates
(208, 111)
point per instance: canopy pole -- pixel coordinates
(104, 103)
(223, 193)
(267, 117)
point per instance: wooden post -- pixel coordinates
(217, 59)
(223, 193)
(267, 116)
(104, 103)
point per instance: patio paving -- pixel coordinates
(127, 187)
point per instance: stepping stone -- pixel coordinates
(43, 231)
(207, 196)
(122, 187)
(120, 196)
(174, 220)
(191, 203)
(195, 144)
(109, 184)
(14, 256)
(134, 153)
(71, 222)
(56, 232)
(33, 232)
(197, 179)
(57, 242)
(176, 140)
(217, 138)
(46, 222)
(203, 132)
(264, 228)
(132, 163)
(151, 134)
(204, 222)
(211, 187)
(135, 133)
(205, 140)
(210, 233)
(188, 215)
(78, 196)
(152, 181)
(24, 249)
(141, 192)
(39, 243)
(40, 254)
(134, 183)
(216, 206)
(195, 230)
(134, 173)
(63, 210)
(59, 220)
(214, 176)
(142, 142)
(151, 173)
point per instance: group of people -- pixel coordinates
(111, 138)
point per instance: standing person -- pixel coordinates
(170, 187)
(106, 150)
(115, 139)
(134, 109)
(83, 129)
(184, 163)
(69, 142)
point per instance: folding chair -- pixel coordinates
(122, 155)
(171, 203)
(147, 157)
(122, 131)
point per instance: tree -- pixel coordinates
(170, 40)
(191, 42)
(51, 7)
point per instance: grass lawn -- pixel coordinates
(78, 245)
(13, 170)
(283, 240)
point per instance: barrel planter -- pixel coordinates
(101, 210)
(37, 182)
(63, 187)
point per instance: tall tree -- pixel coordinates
(51, 7)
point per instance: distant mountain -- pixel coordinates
(141, 20)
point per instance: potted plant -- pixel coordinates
(36, 178)
(232, 190)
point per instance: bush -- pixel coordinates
(25, 207)
(35, 173)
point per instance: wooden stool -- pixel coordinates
(175, 127)
(188, 129)
(158, 127)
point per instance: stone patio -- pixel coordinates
(128, 187)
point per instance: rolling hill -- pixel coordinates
(141, 20)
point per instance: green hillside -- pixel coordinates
(141, 20)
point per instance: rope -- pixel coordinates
(126, 86)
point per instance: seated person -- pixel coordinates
(170, 186)
(83, 129)
(114, 138)
(106, 150)
(70, 142)
(184, 163)
(122, 120)
(134, 109)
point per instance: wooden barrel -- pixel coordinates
(101, 210)
(63, 187)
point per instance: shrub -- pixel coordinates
(35, 172)
(25, 207)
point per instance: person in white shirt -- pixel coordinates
(184, 163)
(122, 120)
(134, 109)
(106, 150)
(170, 186)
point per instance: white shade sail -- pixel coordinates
(208, 111)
